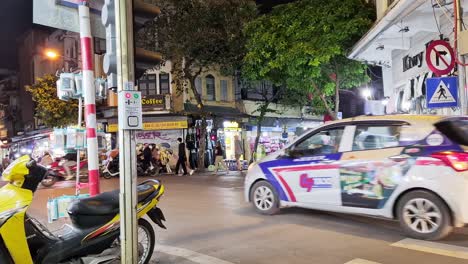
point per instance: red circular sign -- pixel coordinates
(436, 58)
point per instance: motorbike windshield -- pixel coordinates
(455, 128)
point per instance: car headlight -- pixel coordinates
(4, 216)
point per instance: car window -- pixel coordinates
(323, 142)
(376, 137)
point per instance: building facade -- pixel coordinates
(398, 43)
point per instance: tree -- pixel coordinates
(51, 110)
(198, 35)
(304, 44)
(270, 98)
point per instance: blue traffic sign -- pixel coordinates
(442, 92)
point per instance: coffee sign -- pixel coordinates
(153, 101)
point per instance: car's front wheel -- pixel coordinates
(264, 198)
(423, 215)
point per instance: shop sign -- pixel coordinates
(442, 92)
(440, 57)
(413, 61)
(230, 124)
(111, 128)
(153, 101)
(165, 125)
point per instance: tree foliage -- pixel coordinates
(304, 45)
(51, 110)
(272, 100)
(196, 36)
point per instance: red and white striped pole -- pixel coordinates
(89, 97)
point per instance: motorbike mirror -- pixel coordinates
(31, 164)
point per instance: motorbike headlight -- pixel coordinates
(4, 216)
(48, 167)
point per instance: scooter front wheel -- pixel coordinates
(49, 180)
(106, 175)
(146, 241)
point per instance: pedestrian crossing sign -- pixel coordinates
(442, 92)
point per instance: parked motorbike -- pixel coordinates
(111, 168)
(94, 234)
(57, 172)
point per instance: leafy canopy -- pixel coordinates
(305, 43)
(51, 110)
(198, 34)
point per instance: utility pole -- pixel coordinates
(128, 172)
(123, 64)
(89, 97)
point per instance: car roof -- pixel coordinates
(412, 119)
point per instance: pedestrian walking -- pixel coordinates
(238, 151)
(147, 157)
(182, 158)
(219, 157)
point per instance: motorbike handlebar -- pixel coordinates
(31, 164)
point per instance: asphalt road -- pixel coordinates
(208, 222)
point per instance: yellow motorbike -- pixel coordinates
(93, 236)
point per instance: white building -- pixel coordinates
(397, 42)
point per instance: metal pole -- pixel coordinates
(80, 114)
(462, 87)
(125, 76)
(89, 97)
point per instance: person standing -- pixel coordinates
(219, 156)
(238, 151)
(182, 157)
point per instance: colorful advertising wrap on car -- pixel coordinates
(410, 168)
(284, 174)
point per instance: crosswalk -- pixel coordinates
(423, 246)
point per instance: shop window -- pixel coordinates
(224, 90)
(147, 84)
(210, 88)
(164, 83)
(376, 137)
(198, 85)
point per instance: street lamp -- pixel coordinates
(51, 54)
(366, 93)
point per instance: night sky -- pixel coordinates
(16, 18)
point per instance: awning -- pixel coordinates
(402, 21)
(212, 110)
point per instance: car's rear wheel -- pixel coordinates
(423, 215)
(264, 198)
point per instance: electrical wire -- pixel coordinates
(435, 17)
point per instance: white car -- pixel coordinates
(412, 168)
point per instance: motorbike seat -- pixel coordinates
(102, 208)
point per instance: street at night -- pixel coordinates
(208, 222)
(233, 132)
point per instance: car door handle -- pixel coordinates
(327, 161)
(399, 157)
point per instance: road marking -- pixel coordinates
(433, 247)
(361, 261)
(191, 255)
